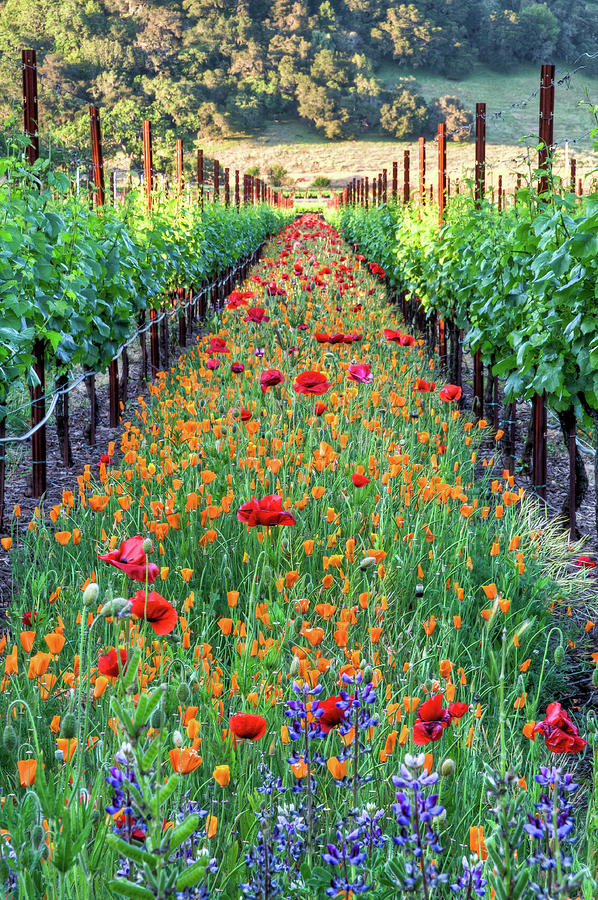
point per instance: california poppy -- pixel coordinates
(311, 383)
(156, 610)
(132, 560)
(248, 726)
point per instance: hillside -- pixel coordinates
(348, 69)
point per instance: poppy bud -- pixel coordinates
(58, 755)
(147, 546)
(448, 768)
(367, 562)
(114, 607)
(183, 693)
(177, 739)
(226, 573)
(37, 837)
(419, 590)
(68, 726)
(9, 739)
(368, 674)
(559, 655)
(285, 545)
(272, 748)
(294, 667)
(156, 719)
(90, 594)
(267, 573)
(297, 625)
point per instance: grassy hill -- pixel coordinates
(305, 155)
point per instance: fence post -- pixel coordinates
(148, 162)
(367, 191)
(216, 181)
(442, 349)
(38, 405)
(479, 193)
(546, 139)
(227, 187)
(179, 166)
(200, 176)
(573, 174)
(422, 171)
(385, 185)
(237, 193)
(395, 181)
(97, 156)
(406, 177)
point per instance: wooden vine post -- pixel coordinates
(200, 177)
(422, 171)
(148, 167)
(479, 191)
(38, 405)
(395, 181)
(546, 135)
(442, 351)
(406, 177)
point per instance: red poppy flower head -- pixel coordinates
(256, 314)
(560, 734)
(111, 664)
(212, 364)
(248, 726)
(270, 378)
(359, 480)
(267, 511)
(585, 562)
(311, 383)
(328, 713)
(105, 460)
(28, 619)
(218, 345)
(431, 721)
(156, 610)
(319, 409)
(131, 559)
(424, 386)
(360, 373)
(237, 367)
(450, 393)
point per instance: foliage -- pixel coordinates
(201, 67)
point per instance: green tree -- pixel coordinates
(405, 116)
(538, 33)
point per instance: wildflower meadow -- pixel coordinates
(296, 635)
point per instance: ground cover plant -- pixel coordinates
(286, 641)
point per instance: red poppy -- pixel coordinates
(560, 734)
(398, 337)
(239, 298)
(237, 367)
(248, 726)
(584, 562)
(311, 383)
(212, 364)
(109, 665)
(432, 719)
(256, 314)
(156, 610)
(360, 480)
(28, 619)
(132, 560)
(126, 825)
(105, 460)
(424, 386)
(331, 714)
(450, 392)
(218, 345)
(361, 373)
(269, 378)
(319, 409)
(267, 511)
